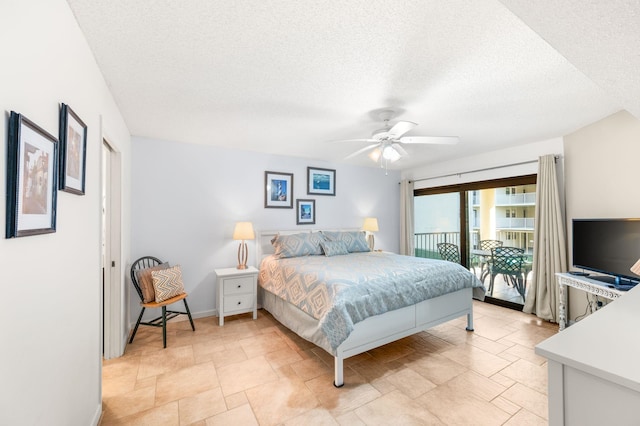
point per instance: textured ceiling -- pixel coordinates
(289, 77)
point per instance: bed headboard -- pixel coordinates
(263, 242)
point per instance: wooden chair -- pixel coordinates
(508, 262)
(449, 252)
(161, 321)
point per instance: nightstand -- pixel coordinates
(237, 292)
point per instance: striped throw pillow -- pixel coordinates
(167, 283)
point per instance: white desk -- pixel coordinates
(594, 373)
(585, 284)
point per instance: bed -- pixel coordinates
(327, 287)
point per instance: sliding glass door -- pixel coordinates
(491, 223)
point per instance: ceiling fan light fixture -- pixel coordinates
(389, 153)
(375, 154)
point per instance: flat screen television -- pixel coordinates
(607, 246)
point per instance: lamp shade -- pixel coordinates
(636, 268)
(244, 231)
(370, 224)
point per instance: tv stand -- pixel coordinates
(588, 284)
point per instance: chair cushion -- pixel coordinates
(145, 281)
(167, 283)
(334, 248)
(355, 241)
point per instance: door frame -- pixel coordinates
(113, 303)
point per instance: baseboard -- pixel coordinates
(96, 416)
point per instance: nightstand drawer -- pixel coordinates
(238, 303)
(238, 285)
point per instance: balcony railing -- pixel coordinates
(515, 223)
(426, 243)
(528, 198)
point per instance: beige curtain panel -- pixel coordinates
(549, 247)
(406, 218)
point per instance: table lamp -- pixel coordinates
(243, 231)
(370, 225)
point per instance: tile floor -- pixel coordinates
(259, 373)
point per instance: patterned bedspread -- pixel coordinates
(340, 291)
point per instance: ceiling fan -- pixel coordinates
(386, 144)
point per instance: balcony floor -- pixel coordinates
(502, 290)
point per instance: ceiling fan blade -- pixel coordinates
(400, 149)
(400, 128)
(437, 140)
(360, 151)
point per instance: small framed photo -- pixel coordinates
(305, 212)
(321, 181)
(278, 190)
(73, 151)
(31, 179)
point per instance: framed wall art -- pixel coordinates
(31, 179)
(72, 151)
(278, 190)
(321, 181)
(305, 212)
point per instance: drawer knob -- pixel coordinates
(239, 286)
(239, 303)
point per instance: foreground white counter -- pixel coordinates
(594, 367)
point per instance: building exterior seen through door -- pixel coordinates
(476, 217)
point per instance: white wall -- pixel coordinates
(51, 361)
(601, 171)
(186, 199)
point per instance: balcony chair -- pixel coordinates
(508, 261)
(449, 252)
(484, 259)
(141, 282)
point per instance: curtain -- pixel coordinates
(406, 218)
(549, 244)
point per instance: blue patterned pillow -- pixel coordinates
(334, 248)
(295, 245)
(355, 241)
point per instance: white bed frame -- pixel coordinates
(393, 325)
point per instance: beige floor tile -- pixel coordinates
(263, 344)
(460, 408)
(488, 345)
(282, 357)
(506, 405)
(526, 354)
(349, 419)
(392, 351)
(186, 382)
(435, 367)
(201, 406)
(165, 415)
(228, 356)
(474, 384)
(245, 375)
(236, 400)
(395, 408)
(410, 383)
(277, 402)
(476, 359)
(315, 417)
(241, 415)
(310, 368)
(355, 393)
(128, 403)
(532, 375)
(526, 418)
(165, 360)
(528, 398)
